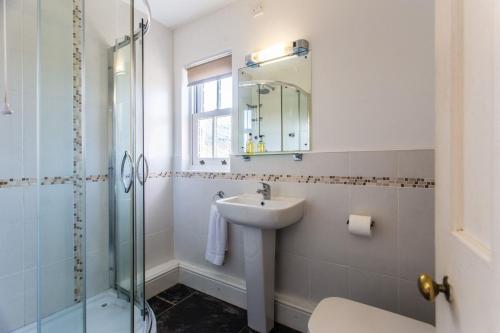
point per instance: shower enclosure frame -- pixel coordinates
(135, 294)
(139, 164)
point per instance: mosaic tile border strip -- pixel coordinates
(5, 183)
(405, 182)
(97, 178)
(78, 165)
(336, 180)
(46, 181)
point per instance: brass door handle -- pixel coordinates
(430, 289)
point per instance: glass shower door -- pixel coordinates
(129, 170)
(142, 175)
(124, 150)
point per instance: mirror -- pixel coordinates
(274, 106)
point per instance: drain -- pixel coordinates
(103, 305)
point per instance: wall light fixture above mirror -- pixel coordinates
(278, 52)
(275, 100)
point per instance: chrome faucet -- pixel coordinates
(265, 191)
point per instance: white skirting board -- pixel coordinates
(161, 278)
(294, 314)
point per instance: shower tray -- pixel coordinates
(106, 313)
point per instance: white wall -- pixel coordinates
(373, 90)
(373, 78)
(159, 147)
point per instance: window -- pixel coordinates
(211, 107)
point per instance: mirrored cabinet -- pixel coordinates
(275, 103)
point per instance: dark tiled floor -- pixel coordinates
(181, 309)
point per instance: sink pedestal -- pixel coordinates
(260, 219)
(259, 247)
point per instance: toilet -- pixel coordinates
(339, 315)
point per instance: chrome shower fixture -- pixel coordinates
(265, 89)
(148, 23)
(6, 109)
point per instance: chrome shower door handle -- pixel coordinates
(127, 180)
(142, 180)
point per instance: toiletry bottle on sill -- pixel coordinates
(250, 148)
(261, 147)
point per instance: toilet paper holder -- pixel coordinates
(372, 224)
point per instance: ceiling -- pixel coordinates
(173, 13)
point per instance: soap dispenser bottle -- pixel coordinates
(250, 147)
(261, 146)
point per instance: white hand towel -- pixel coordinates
(217, 237)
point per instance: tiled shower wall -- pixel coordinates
(318, 257)
(20, 219)
(18, 160)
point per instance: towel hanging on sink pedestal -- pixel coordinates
(217, 237)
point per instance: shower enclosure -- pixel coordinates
(72, 168)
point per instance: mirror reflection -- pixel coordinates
(275, 106)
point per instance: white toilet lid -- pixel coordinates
(339, 315)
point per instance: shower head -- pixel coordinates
(6, 109)
(265, 89)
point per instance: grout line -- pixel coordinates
(159, 314)
(241, 331)
(164, 300)
(182, 301)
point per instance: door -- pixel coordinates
(128, 170)
(467, 164)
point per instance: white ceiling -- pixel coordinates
(173, 13)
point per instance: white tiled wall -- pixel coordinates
(158, 144)
(317, 257)
(18, 156)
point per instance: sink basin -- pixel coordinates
(260, 219)
(251, 211)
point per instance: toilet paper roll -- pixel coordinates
(360, 225)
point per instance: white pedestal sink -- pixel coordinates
(260, 220)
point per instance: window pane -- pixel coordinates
(222, 136)
(226, 93)
(205, 138)
(209, 96)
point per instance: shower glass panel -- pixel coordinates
(72, 168)
(123, 169)
(128, 170)
(128, 167)
(61, 174)
(290, 110)
(269, 119)
(142, 176)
